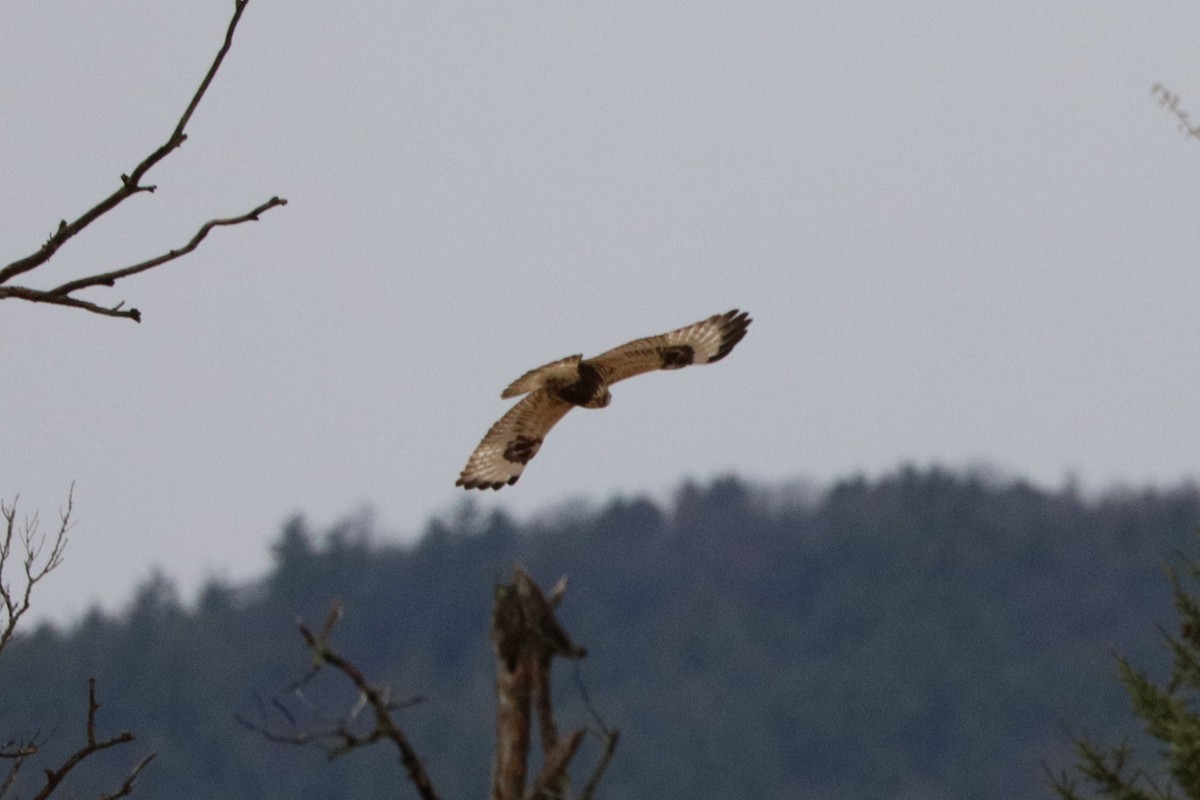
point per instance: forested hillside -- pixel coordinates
(924, 635)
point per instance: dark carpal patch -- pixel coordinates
(521, 449)
(676, 355)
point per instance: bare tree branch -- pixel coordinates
(17, 751)
(18, 754)
(36, 563)
(60, 295)
(54, 777)
(1170, 101)
(131, 184)
(609, 736)
(126, 788)
(11, 776)
(17, 601)
(340, 738)
(40, 555)
(526, 638)
(379, 700)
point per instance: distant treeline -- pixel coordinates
(922, 635)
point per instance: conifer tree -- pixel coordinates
(1170, 715)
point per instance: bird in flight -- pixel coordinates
(554, 389)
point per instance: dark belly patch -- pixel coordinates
(584, 390)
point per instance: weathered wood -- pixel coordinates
(527, 636)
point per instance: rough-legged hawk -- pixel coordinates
(552, 390)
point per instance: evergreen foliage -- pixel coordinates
(923, 635)
(1170, 715)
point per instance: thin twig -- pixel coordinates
(35, 568)
(110, 278)
(1170, 101)
(339, 733)
(55, 776)
(61, 295)
(608, 735)
(238, 7)
(610, 748)
(18, 754)
(130, 185)
(19, 751)
(11, 776)
(526, 636)
(381, 705)
(126, 788)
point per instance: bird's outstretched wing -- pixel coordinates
(515, 438)
(701, 343)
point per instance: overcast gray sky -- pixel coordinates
(966, 233)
